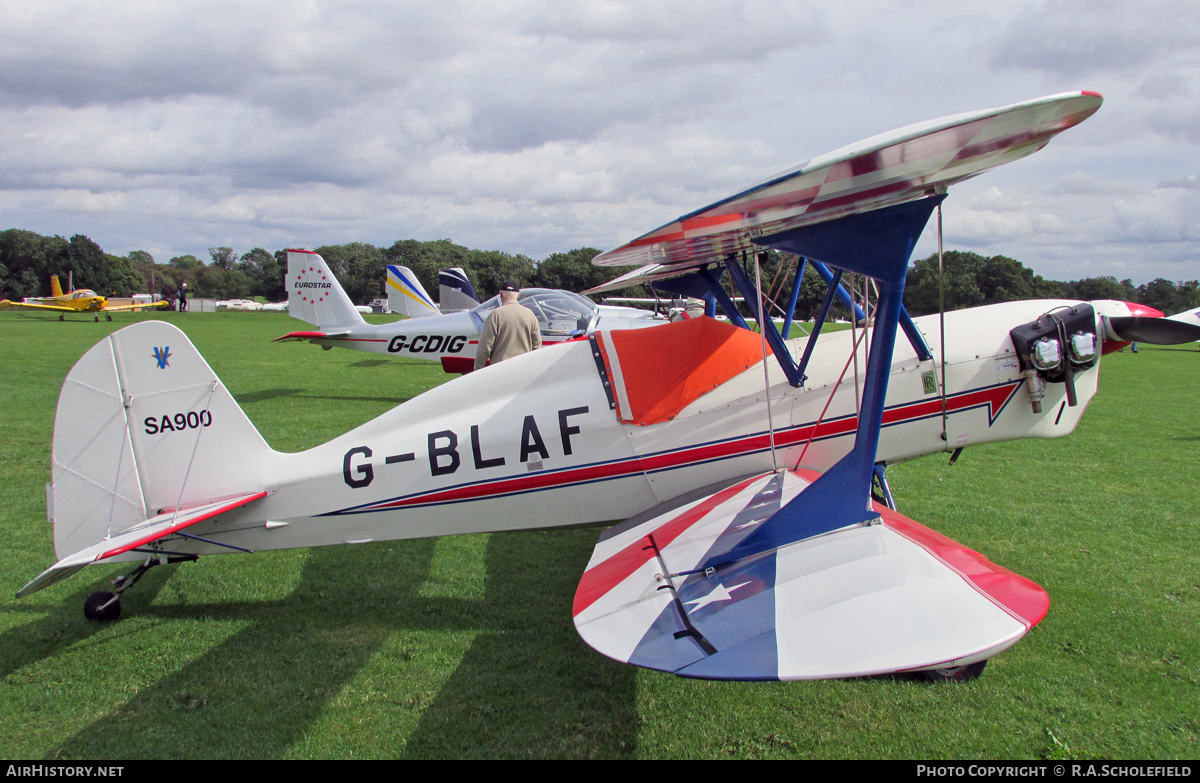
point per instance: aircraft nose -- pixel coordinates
(1114, 308)
(1141, 310)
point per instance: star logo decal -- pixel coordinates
(314, 294)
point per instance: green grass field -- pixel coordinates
(464, 647)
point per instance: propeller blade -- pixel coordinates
(1155, 331)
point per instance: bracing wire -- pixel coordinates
(195, 447)
(853, 286)
(817, 424)
(766, 374)
(942, 324)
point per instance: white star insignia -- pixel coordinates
(718, 593)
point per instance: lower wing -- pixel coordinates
(887, 596)
(108, 308)
(4, 305)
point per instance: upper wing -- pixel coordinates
(882, 171)
(865, 599)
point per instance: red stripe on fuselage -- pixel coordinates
(994, 398)
(354, 339)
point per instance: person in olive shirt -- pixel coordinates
(510, 329)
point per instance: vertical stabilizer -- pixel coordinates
(144, 425)
(314, 294)
(406, 295)
(455, 292)
(55, 287)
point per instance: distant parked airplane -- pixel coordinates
(82, 300)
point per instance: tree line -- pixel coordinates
(28, 259)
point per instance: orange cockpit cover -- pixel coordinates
(665, 368)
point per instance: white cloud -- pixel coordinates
(1162, 215)
(1078, 37)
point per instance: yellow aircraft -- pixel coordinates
(82, 300)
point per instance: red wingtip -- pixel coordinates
(299, 336)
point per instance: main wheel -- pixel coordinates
(94, 607)
(97, 319)
(109, 317)
(954, 673)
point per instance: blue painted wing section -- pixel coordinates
(735, 610)
(730, 610)
(667, 646)
(764, 505)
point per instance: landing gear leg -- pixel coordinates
(105, 605)
(954, 673)
(881, 491)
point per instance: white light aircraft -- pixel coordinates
(244, 305)
(742, 463)
(451, 338)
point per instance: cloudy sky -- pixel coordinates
(535, 127)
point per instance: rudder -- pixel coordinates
(144, 425)
(406, 295)
(455, 292)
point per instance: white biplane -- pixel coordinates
(744, 464)
(450, 337)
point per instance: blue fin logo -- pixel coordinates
(162, 355)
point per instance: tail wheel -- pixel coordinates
(102, 606)
(970, 671)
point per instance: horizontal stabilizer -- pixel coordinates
(861, 600)
(153, 529)
(311, 335)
